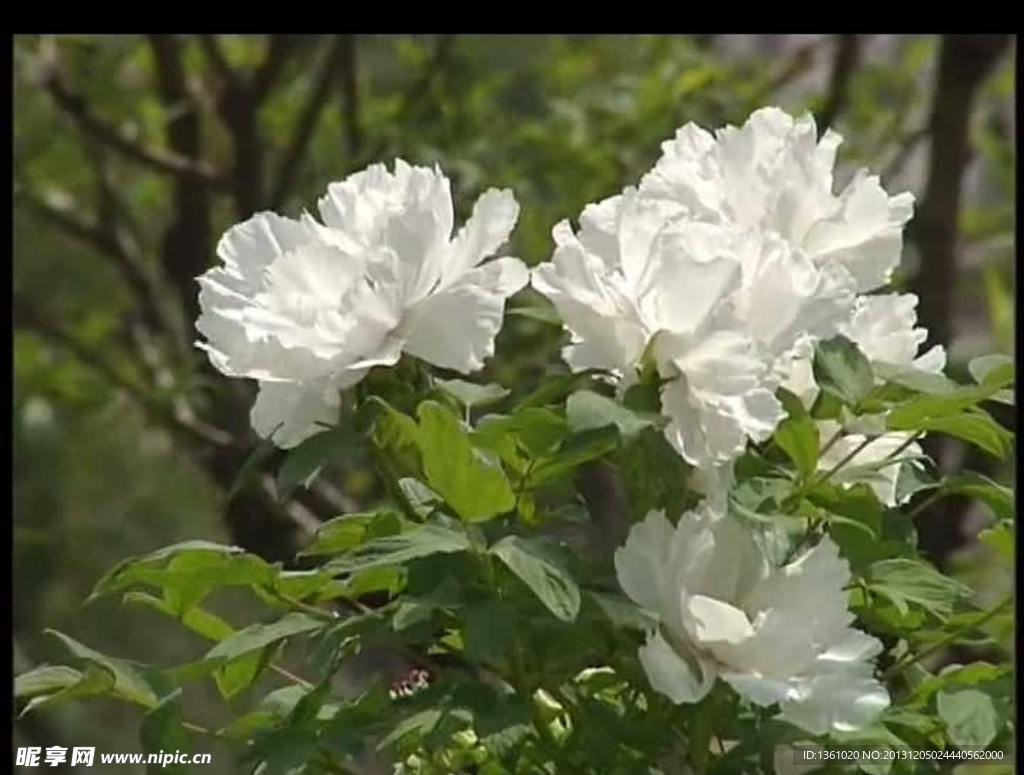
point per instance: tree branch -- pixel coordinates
(187, 241)
(295, 153)
(78, 109)
(350, 94)
(844, 64)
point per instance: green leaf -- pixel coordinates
(975, 426)
(348, 531)
(129, 683)
(45, 679)
(586, 410)
(161, 731)
(622, 612)
(469, 394)
(488, 630)
(95, 681)
(473, 485)
(916, 413)
(905, 581)
(970, 717)
(547, 314)
(535, 567)
(841, 370)
(914, 379)
(797, 436)
(537, 429)
(992, 370)
(256, 636)
(251, 467)
(578, 449)
(555, 387)
(975, 485)
(186, 572)
(999, 539)
(395, 433)
(303, 463)
(422, 541)
(418, 723)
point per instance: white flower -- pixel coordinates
(776, 635)
(640, 284)
(308, 308)
(772, 174)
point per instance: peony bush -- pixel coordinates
(737, 363)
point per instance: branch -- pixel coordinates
(844, 64)
(216, 58)
(279, 51)
(77, 108)
(186, 243)
(291, 160)
(104, 242)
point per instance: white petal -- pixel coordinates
(682, 680)
(837, 702)
(488, 228)
(455, 328)
(294, 412)
(866, 234)
(251, 246)
(763, 690)
(638, 562)
(712, 622)
(882, 326)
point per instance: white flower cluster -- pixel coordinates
(719, 271)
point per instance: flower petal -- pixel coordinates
(292, 412)
(455, 327)
(682, 680)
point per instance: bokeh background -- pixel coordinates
(134, 153)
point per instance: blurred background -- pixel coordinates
(132, 155)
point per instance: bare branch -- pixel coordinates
(280, 50)
(211, 49)
(844, 64)
(295, 153)
(77, 108)
(187, 242)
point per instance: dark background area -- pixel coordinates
(134, 153)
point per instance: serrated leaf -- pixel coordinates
(535, 567)
(473, 485)
(842, 370)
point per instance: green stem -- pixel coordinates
(700, 735)
(951, 638)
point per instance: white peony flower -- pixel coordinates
(774, 175)
(308, 308)
(639, 285)
(776, 635)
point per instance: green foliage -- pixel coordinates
(464, 540)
